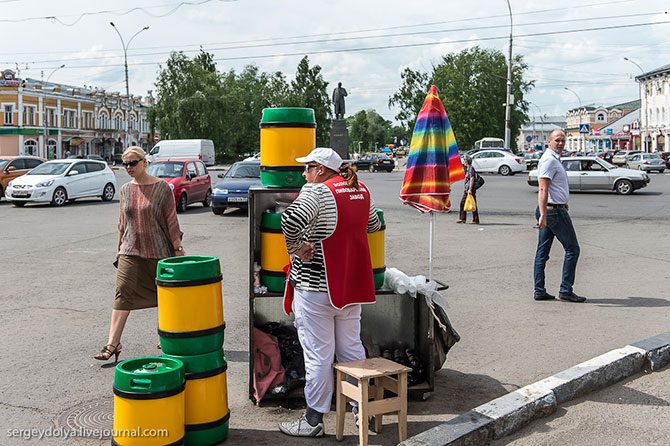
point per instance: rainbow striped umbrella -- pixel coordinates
(433, 164)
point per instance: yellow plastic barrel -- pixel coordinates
(206, 398)
(274, 256)
(190, 305)
(376, 245)
(286, 134)
(149, 402)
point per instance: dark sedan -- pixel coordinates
(374, 162)
(233, 189)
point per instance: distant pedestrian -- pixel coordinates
(553, 220)
(67, 153)
(469, 188)
(148, 231)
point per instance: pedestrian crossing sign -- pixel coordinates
(584, 128)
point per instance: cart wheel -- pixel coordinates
(425, 395)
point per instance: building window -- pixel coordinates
(662, 116)
(118, 119)
(51, 117)
(30, 147)
(69, 119)
(600, 117)
(9, 113)
(103, 120)
(88, 120)
(28, 115)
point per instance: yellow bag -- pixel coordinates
(470, 205)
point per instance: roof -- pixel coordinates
(539, 127)
(627, 119)
(655, 72)
(627, 105)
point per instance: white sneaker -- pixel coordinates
(301, 428)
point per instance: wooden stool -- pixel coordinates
(362, 371)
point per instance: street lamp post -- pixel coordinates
(125, 64)
(631, 139)
(634, 63)
(44, 114)
(508, 101)
(580, 114)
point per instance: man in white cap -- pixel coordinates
(326, 231)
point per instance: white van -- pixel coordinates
(202, 149)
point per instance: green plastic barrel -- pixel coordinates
(286, 134)
(274, 256)
(190, 305)
(149, 398)
(206, 396)
(377, 257)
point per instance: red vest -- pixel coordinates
(346, 253)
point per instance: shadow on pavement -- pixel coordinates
(631, 302)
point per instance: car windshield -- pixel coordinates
(2, 163)
(652, 157)
(166, 170)
(244, 171)
(50, 169)
(606, 164)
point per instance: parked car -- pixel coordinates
(374, 162)
(531, 159)
(619, 158)
(86, 157)
(500, 161)
(646, 162)
(60, 181)
(233, 189)
(593, 173)
(202, 149)
(665, 156)
(13, 167)
(188, 178)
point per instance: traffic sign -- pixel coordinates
(157, 138)
(609, 131)
(529, 138)
(585, 128)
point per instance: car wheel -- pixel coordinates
(183, 203)
(108, 192)
(504, 170)
(372, 168)
(19, 204)
(208, 199)
(661, 171)
(59, 197)
(218, 211)
(624, 187)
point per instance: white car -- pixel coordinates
(500, 161)
(58, 181)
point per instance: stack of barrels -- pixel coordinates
(191, 329)
(185, 392)
(274, 256)
(376, 246)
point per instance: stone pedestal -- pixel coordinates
(339, 138)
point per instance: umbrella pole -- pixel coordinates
(430, 246)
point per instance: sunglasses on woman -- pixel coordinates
(132, 163)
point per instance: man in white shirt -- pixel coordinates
(553, 220)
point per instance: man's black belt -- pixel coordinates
(557, 206)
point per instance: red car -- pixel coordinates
(188, 179)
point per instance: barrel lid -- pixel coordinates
(201, 363)
(380, 214)
(271, 220)
(149, 374)
(187, 268)
(288, 114)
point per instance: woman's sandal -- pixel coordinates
(107, 352)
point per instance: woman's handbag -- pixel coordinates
(480, 182)
(470, 205)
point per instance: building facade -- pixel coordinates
(53, 120)
(597, 118)
(655, 109)
(534, 135)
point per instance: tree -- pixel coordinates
(472, 85)
(308, 89)
(370, 128)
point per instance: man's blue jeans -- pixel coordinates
(559, 225)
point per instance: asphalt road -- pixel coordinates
(58, 285)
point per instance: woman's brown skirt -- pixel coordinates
(135, 283)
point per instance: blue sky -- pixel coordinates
(274, 35)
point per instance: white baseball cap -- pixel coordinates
(324, 156)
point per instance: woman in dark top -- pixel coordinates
(470, 180)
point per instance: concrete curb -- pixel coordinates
(509, 413)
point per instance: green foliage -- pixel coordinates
(370, 128)
(194, 100)
(472, 86)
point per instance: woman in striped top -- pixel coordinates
(326, 231)
(148, 231)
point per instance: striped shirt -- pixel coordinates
(148, 220)
(312, 217)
